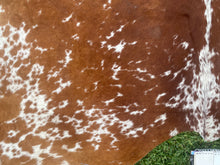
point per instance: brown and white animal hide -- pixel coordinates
(102, 82)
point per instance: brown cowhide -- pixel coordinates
(102, 82)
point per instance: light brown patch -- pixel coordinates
(9, 107)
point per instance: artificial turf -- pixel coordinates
(176, 151)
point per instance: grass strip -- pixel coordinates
(176, 151)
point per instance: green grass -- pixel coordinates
(176, 151)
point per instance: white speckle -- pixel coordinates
(39, 12)
(77, 146)
(103, 44)
(125, 125)
(185, 45)
(141, 70)
(108, 4)
(102, 64)
(175, 101)
(79, 102)
(41, 49)
(187, 119)
(148, 90)
(116, 85)
(140, 78)
(130, 62)
(53, 73)
(133, 133)
(75, 37)
(104, 6)
(35, 26)
(80, 3)
(212, 128)
(67, 18)
(1, 10)
(38, 151)
(64, 163)
(119, 95)
(174, 132)
(126, 129)
(96, 85)
(140, 112)
(144, 132)
(107, 102)
(118, 48)
(116, 69)
(67, 58)
(133, 43)
(90, 42)
(175, 37)
(96, 146)
(53, 134)
(12, 133)
(151, 76)
(87, 68)
(167, 73)
(78, 24)
(158, 97)
(56, 120)
(66, 134)
(110, 36)
(120, 29)
(126, 108)
(61, 85)
(161, 118)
